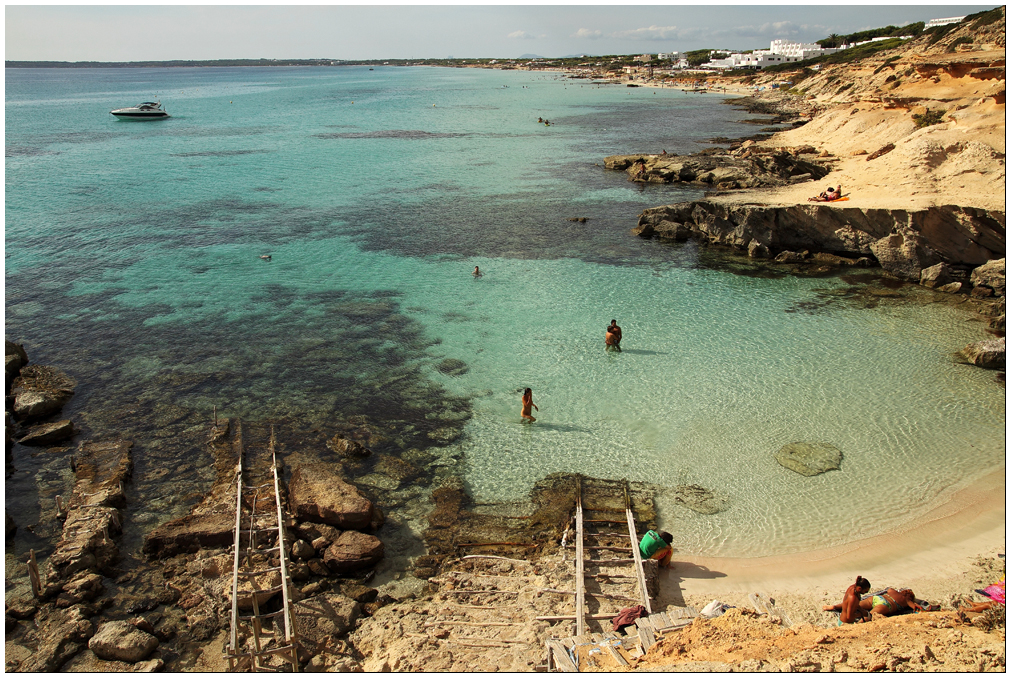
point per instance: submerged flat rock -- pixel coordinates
(809, 459)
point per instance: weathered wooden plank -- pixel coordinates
(596, 637)
(649, 637)
(616, 655)
(635, 553)
(580, 583)
(560, 657)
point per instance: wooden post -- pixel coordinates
(33, 574)
(59, 505)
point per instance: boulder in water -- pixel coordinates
(809, 459)
(991, 274)
(989, 353)
(452, 367)
(699, 499)
(353, 551)
(45, 434)
(318, 494)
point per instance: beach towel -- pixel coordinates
(994, 592)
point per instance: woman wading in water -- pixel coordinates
(528, 402)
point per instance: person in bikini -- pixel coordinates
(892, 602)
(528, 402)
(828, 196)
(852, 609)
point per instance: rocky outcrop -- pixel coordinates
(122, 641)
(321, 618)
(40, 391)
(990, 275)
(809, 459)
(93, 518)
(747, 166)
(937, 276)
(47, 434)
(989, 353)
(904, 242)
(319, 494)
(353, 551)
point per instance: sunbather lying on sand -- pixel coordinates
(892, 602)
(827, 196)
(850, 609)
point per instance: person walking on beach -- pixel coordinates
(528, 402)
(612, 337)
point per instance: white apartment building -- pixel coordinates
(668, 56)
(942, 22)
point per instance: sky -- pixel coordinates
(167, 32)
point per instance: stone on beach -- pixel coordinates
(122, 641)
(319, 494)
(904, 255)
(937, 276)
(809, 459)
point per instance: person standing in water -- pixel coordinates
(477, 272)
(612, 336)
(528, 402)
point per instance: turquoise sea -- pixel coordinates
(132, 261)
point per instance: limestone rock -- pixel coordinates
(46, 434)
(12, 366)
(347, 448)
(951, 288)
(323, 617)
(990, 274)
(353, 551)
(988, 353)
(788, 257)
(317, 534)
(317, 493)
(40, 391)
(359, 592)
(303, 550)
(262, 591)
(452, 367)
(757, 250)
(121, 641)
(699, 499)
(809, 459)
(318, 567)
(62, 636)
(936, 276)
(190, 533)
(904, 255)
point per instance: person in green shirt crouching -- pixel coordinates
(657, 545)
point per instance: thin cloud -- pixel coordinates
(588, 33)
(651, 33)
(523, 35)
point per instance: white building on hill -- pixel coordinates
(942, 22)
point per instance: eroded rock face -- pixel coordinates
(189, 534)
(121, 641)
(809, 459)
(904, 255)
(956, 235)
(989, 353)
(318, 494)
(63, 635)
(323, 617)
(353, 551)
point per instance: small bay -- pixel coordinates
(133, 262)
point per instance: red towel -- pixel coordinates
(627, 617)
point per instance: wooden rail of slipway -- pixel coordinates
(250, 646)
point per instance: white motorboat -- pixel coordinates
(149, 110)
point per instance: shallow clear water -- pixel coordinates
(132, 261)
